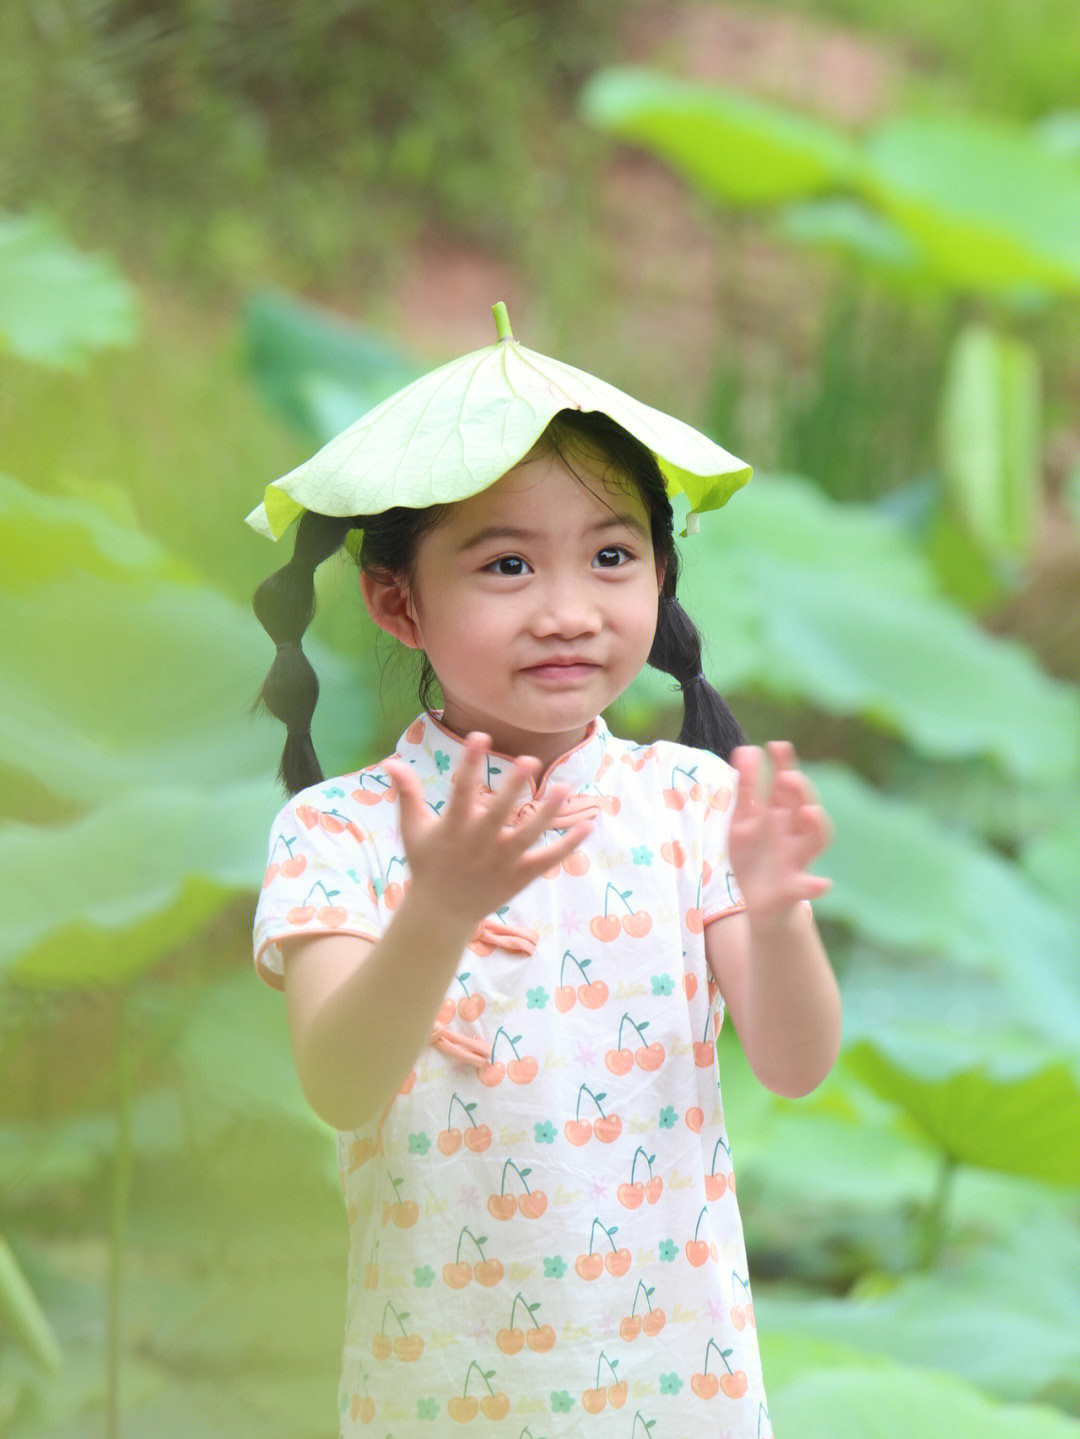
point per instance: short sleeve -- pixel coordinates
(322, 877)
(719, 892)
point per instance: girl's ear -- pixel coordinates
(391, 608)
(661, 571)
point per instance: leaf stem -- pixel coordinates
(120, 1201)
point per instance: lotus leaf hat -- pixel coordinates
(455, 431)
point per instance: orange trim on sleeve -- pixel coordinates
(720, 913)
(277, 981)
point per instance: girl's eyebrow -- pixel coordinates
(514, 532)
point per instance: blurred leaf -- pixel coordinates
(982, 205)
(731, 146)
(852, 228)
(834, 605)
(58, 305)
(266, 1084)
(1011, 1107)
(127, 685)
(911, 884)
(991, 440)
(1004, 1316)
(319, 372)
(898, 1402)
(990, 206)
(1053, 858)
(21, 1313)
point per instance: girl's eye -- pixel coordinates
(612, 550)
(512, 574)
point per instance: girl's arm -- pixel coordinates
(768, 960)
(360, 1012)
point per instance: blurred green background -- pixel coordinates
(844, 238)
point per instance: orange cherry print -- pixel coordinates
(717, 1181)
(594, 1400)
(697, 1250)
(607, 926)
(733, 1382)
(373, 788)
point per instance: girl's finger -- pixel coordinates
(745, 762)
(506, 796)
(536, 861)
(540, 819)
(464, 778)
(410, 802)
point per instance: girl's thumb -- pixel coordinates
(408, 792)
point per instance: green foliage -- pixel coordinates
(57, 305)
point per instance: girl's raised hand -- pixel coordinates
(465, 857)
(777, 834)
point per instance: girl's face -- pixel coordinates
(535, 602)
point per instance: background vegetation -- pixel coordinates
(842, 237)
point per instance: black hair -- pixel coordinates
(285, 602)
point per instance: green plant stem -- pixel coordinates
(120, 1200)
(933, 1226)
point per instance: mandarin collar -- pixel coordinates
(435, 750)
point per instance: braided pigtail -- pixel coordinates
(284, 605)
(676, 650)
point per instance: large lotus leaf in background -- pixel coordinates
(986, 207)
(58, 305)
(455, 431)
(317, 371)
(833, 604)
(1003, 1314)
(731, 146)
(127, 698)
(898, 1401)
(908, 883)
(1053, 859)
(988, 203)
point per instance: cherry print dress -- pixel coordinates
(544, 1234)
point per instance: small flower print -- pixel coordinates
(427, 1409)
(561, 1402)
(662, 984)
(419, 1143)
(641, 854)
(668, 1250)
(424, 1277)
(670, 1384)
(334, 793)
(537, 998)
(442, 761)
(667, 1117)
(555, 1268)
(545, 1132)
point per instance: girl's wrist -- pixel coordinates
(787, 921)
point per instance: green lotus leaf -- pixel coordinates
(138, 788)
(455, 431)
(834, 604)
(990, 206)
(898, 1401)
(1003, 1314)
(909, 883)
(58, 305)
(733, 147)
(316, 370)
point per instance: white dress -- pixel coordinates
(544, 1235)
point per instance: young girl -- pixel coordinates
(507, 951)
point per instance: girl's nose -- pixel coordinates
(566, 610)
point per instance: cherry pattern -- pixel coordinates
(593, 994)
(586, 1138)
(606, 1128)
(538, 1337)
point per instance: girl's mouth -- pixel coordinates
(574, 671)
